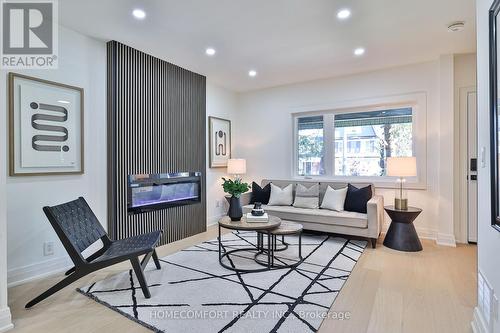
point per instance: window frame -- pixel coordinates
(418, 103)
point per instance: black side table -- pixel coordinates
(402, 235)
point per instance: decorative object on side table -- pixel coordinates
(401, 167)
(45, 127)
(257, 209)
(235, 188)
(220, 142)
(402, 235)
(264, 218)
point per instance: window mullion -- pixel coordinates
(329, 143)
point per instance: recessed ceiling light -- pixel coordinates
(343, 14)
(210, 51)
(359, 51)
(456, 26)
(252, 73)
(139, 14)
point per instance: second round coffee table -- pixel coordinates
(242, 225)
(286, 228)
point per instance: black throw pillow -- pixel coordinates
(260, 194)
(357, 198)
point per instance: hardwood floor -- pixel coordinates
(388, 291)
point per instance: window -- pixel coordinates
(339, 147)
(353, 143)
(310, 146)
(385, 133)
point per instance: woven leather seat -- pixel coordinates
(77, 227)
(124, 247)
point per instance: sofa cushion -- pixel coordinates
(334, 199)
(306, 197)
(321, 216)
(260, 194)
(357, 198)
(281, 197)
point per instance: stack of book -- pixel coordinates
(257, 219)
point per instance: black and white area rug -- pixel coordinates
(193, 293)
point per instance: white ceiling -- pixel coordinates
(286, 41)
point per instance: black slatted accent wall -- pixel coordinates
(156, 124)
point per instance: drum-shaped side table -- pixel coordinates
(285, 228)
(402, 235)
(243, 225)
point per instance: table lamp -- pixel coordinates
(401, 167)
(237, 167)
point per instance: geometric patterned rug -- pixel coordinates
(194, 293)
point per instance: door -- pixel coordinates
(472, 158)
(468, 164)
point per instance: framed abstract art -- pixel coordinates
(45, 127)
(220, 141)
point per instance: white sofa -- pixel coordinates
(367, 225)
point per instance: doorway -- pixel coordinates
(468, 164)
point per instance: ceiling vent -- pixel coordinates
(456, 26)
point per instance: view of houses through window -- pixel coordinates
(362, 142)
(311, 146)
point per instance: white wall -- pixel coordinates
(221, 103)
(82, 63)
(5, 317)
(263, 130)
(488, 238)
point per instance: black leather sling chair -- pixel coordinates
(77, 227)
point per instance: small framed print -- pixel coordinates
(45, 127)
(220, 141)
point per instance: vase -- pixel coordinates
(235, 211)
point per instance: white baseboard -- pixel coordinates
(212, 220)
(21, 275)
(424, 233)
(5, 320)
(446, 240)
(478, 323)
(427, 233)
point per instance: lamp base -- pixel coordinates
(401, 204)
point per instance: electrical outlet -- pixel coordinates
(217, 203)
(48, 249)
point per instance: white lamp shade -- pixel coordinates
(236, 166)
(402, 166)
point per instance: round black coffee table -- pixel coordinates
(265, 228)
(402, 235)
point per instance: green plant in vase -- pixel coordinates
(235, 188)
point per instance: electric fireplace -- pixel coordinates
(149, 192)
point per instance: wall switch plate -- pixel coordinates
(48, 249)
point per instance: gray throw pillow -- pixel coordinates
(306, 197)
(281, 196)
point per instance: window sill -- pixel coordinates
(384, 183)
